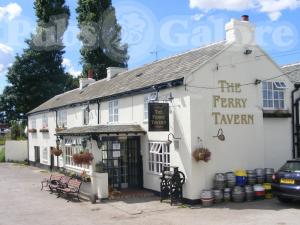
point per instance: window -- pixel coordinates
(159, 156)
(45, 155)
(273, 95)
(62, 118)
(86, 116)
(33, 124)
(45, 121)
(147, 99)
(113, 111)
(73, 146)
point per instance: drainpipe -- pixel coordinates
(98, 117)
(295, 104)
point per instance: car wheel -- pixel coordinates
(283, 200)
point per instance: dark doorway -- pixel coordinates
(122, 161)
(37, 156)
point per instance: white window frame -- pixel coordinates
(113, 108)
(73, 146)
(45, 121)
(33, 124)
(62, 118)
(86, 116)
(158, 157)
(45, 155)
(148, 98)
(274, 95)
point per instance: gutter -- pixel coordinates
(295, 104)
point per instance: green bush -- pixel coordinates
(2, 155)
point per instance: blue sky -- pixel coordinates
(155, 29)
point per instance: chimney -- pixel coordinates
(84, 82)
(241, 32)
(114, 71)
(90, 74)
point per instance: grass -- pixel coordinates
(2, 155)
(2, 141)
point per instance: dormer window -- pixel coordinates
(273, 95)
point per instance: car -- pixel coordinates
(286, 181)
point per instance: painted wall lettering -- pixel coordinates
(230, 103)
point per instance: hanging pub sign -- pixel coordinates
(158, 114)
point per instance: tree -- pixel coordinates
(100, 35)
(38, 74)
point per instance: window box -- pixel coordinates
(276, 113)
(33, 130)
(44, 130)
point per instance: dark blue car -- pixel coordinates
(286, 181)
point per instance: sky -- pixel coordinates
(156, 29)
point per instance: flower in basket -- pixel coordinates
(83, 158)
(202, 154)
(56, 151)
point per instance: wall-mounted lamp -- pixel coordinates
(57, 142)
(170, 98)
(220, 135)
(98, 140)
(84, 143)
(174, 138)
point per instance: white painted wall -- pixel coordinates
(16, 151)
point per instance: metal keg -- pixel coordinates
(220, 181)
(268, 174)
(251, 177)
(227, 194)
(207, 198)
(230, 179)
(260, 175)
(249, 193)
(218, 196)
(238, 194)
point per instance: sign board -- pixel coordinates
(158, 116)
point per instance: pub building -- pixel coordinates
(221, 97)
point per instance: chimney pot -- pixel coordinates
(245, 18)
(90, 74)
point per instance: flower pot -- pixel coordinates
(202, 154)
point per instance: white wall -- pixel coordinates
(16, 151)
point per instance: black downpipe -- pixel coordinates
(56, 118)
(98, 102)
(294, 133)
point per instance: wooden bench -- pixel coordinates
(61, 183)
(54, 178)
(72, 188)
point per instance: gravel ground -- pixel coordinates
(22, 203)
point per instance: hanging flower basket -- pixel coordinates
(56, 152)
(83, 158)
(202, 154)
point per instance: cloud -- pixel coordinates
(197, 17)
(70, 68)
(273, 8)
(6, 57)
(10, 11)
